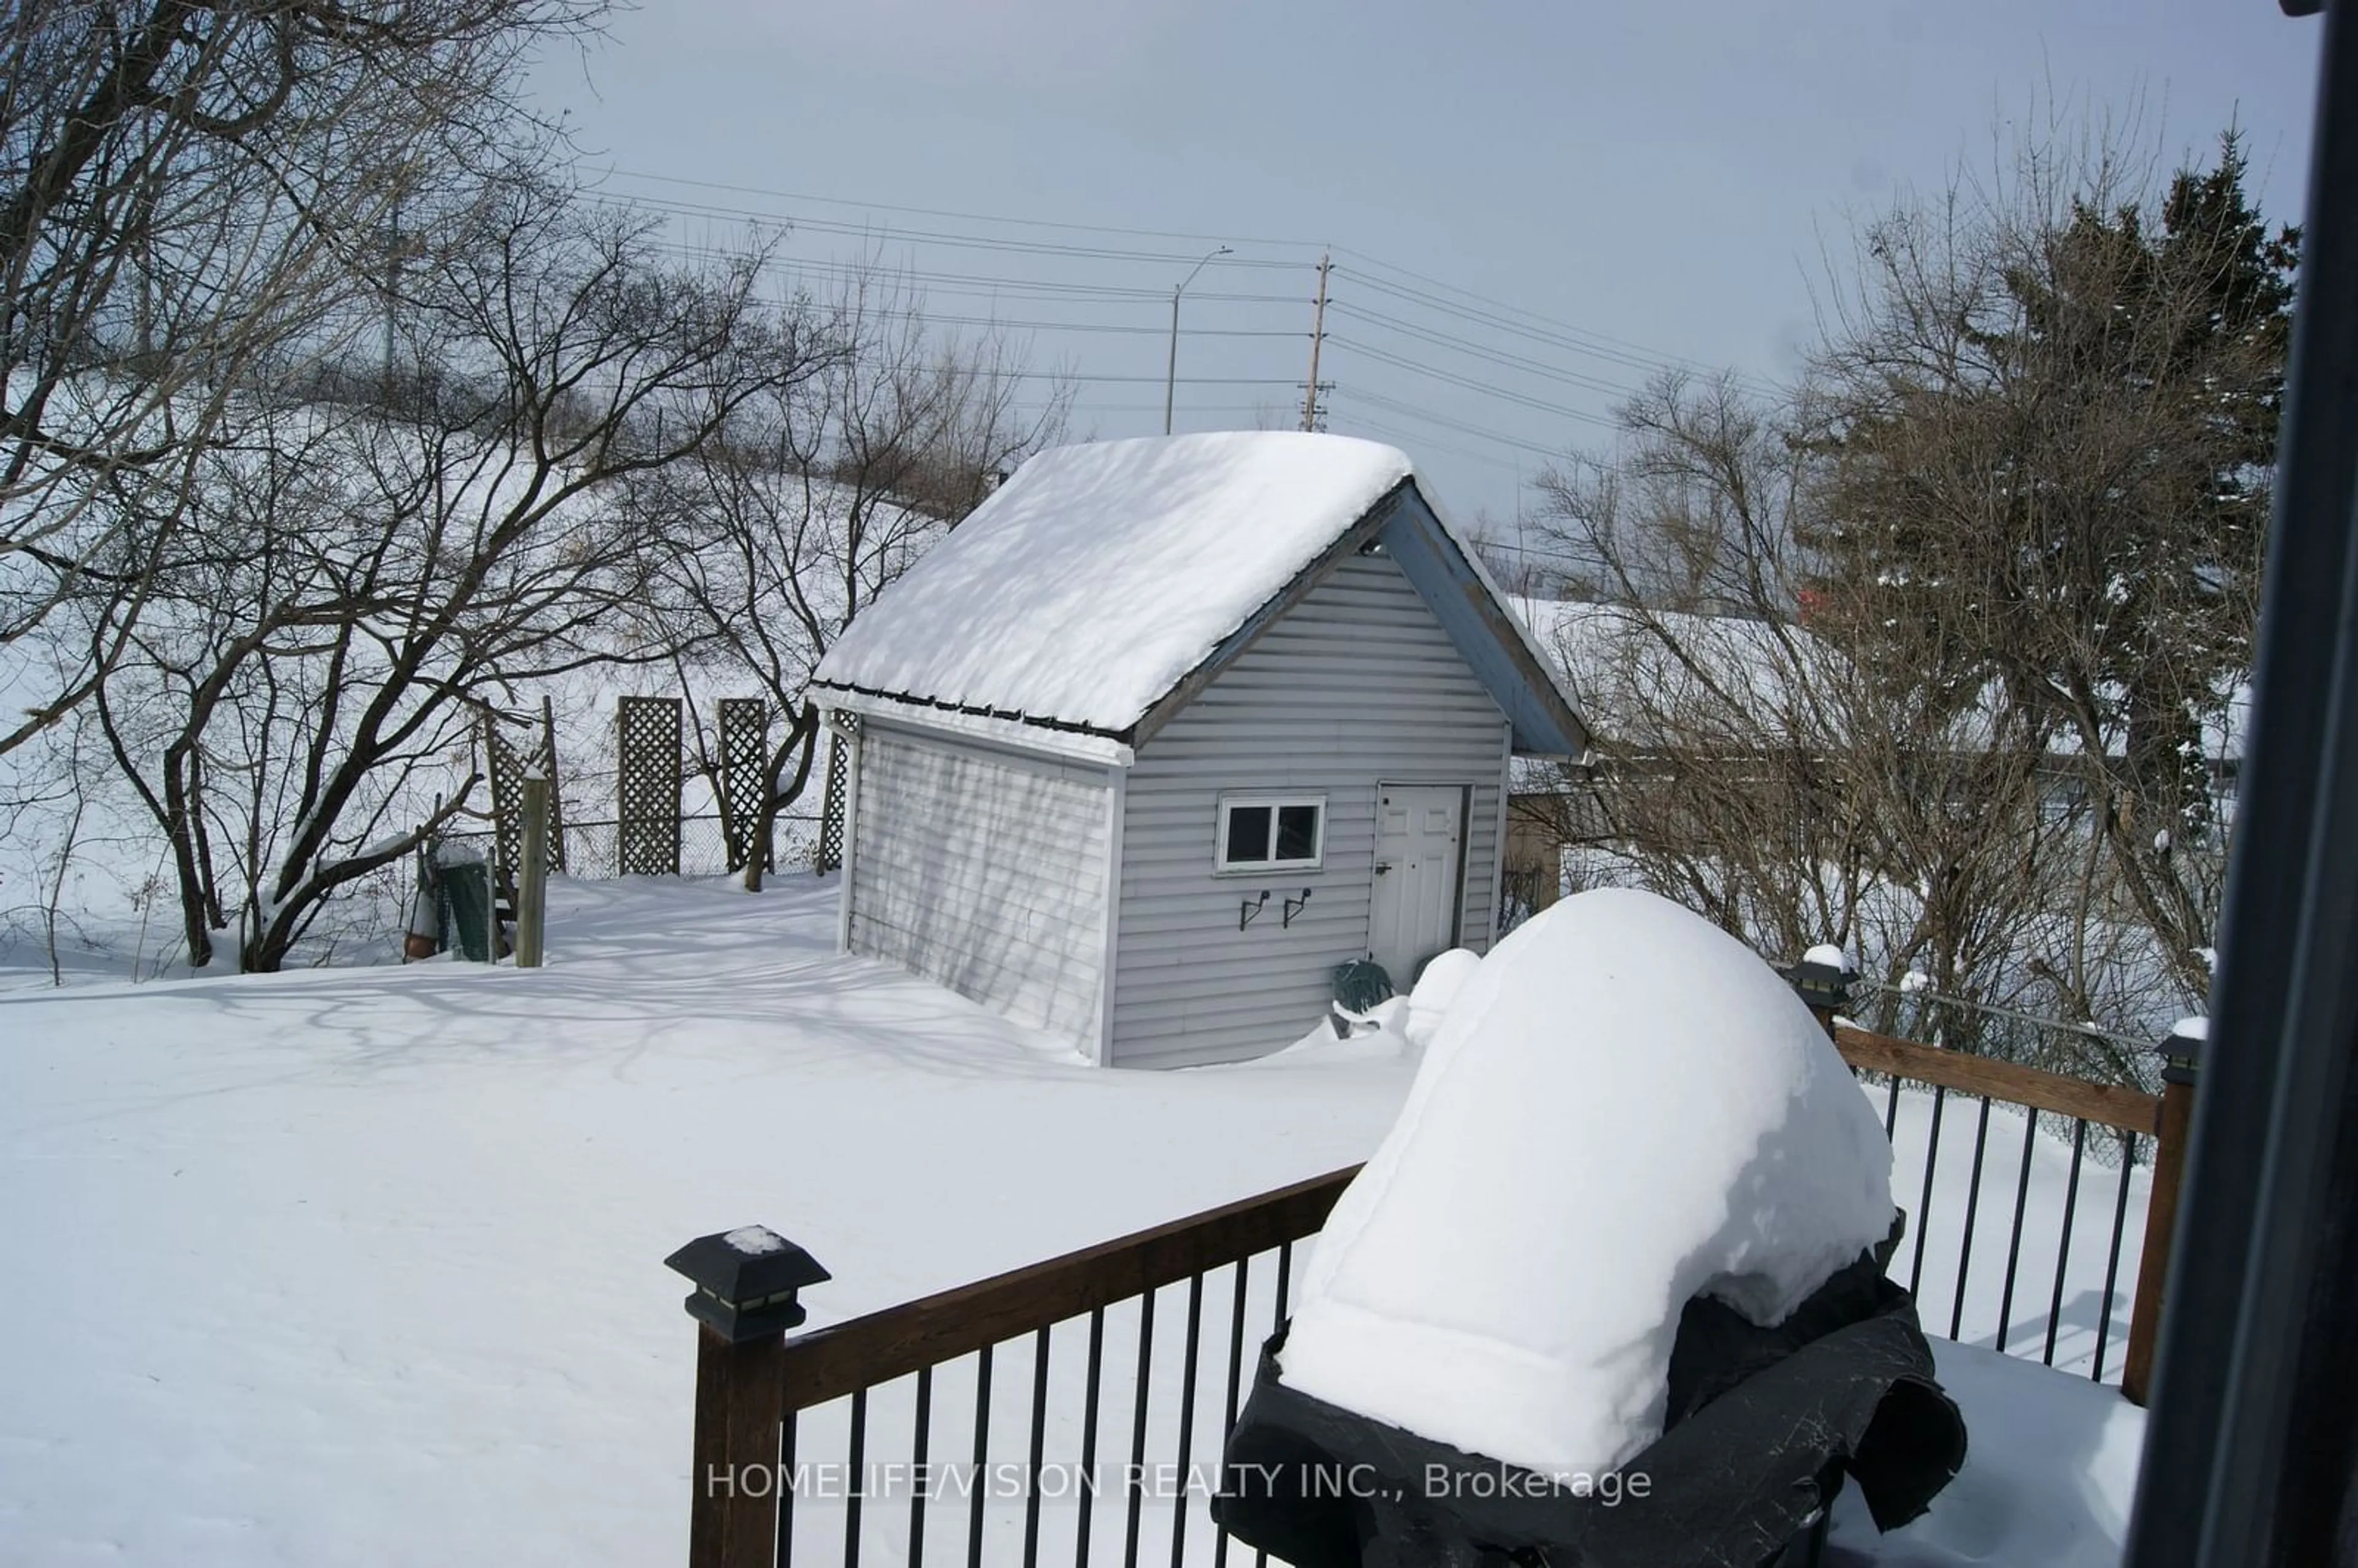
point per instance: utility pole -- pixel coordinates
(1317, 337)
(1171, 376)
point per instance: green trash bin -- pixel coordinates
(464, 889)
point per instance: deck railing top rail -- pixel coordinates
(2108, 1105)
(861, 1352)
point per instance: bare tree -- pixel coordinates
(825, 493)
(356, 575)
(1749, 766)
(195, 196)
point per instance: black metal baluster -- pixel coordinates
(1236, 1379)
(786, 1489)
(1187, 1416)
(2063, 1249)
(1924, 1199)
(918, 1448)
(1088, 1477)
(854, 1480)
(2113, 1261)
(2014, 1242)
(1137, 1479)
(1973, 1208)
(981, 1444)
(1284, 1276)
(1039, 1444)
(1891, 1107)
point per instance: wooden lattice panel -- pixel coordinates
(506, 766)
(646, 786)
(829, 855)
(745, 773)
(555, 792)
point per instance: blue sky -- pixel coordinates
(1529, 203)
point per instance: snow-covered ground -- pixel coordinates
(364, 1266)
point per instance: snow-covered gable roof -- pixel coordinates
(1096, 588)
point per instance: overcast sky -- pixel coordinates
(1529, 202)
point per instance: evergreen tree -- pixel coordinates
(2047, 440)
(2054, 452)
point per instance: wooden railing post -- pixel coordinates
(2180, 1053)
(746, 1281)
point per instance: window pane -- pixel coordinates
(1248, 833)
(1297, 832)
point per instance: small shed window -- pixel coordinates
(1267, 834)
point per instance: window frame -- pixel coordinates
(1275, 801)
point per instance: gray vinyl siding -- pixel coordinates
(1356, 684)
(984, 870)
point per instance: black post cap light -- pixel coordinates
(745, 1280)
(2182, 1049)
(1822, 979)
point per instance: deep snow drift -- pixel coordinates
(1623, 1108)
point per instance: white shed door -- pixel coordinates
(1419, 830)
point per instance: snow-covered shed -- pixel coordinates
(1168, 729)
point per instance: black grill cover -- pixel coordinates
(1762, 1425)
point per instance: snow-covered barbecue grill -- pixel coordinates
(1611, 1288)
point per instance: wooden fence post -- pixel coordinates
(532, 874)
(746, 1281)
(2180, 1053)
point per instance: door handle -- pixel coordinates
(1382, 866)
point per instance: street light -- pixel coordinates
(1170, 376)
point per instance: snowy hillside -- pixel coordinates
(85, 868)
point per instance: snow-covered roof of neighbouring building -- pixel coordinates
(1100, 577)
(1643, 671)
(1634, 664)
(1625, 1108)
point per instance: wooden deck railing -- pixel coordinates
(901, 1340)
(765, 1405)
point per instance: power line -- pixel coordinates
(963, 217)
(1459, 345)
(1570, 339)
(1100, 327)
(1422, 441)
(1411, 411)
(1467, 383)
(1650, 355)
(982, 284)
(935, 237)
(1468, 332)
(1079, 406)
(1604, 343)
(1498, 314)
